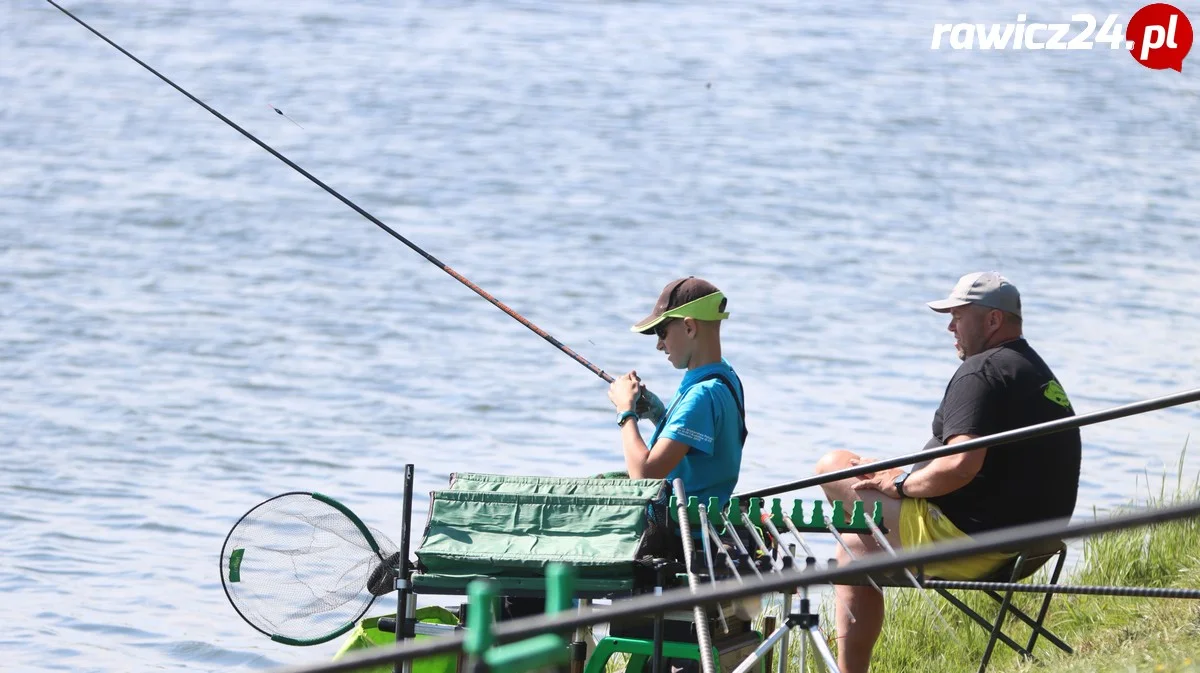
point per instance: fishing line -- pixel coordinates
(412, 246)
(280, 112)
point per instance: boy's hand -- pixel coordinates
(623, 391)
(649, 407)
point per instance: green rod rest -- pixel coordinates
(693, 509)
(814, 522)
(755, 512)
(733, 511)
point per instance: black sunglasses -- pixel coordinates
(660, 330)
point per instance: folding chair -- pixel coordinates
(1024, 564)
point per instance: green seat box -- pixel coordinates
(510, 528)
(367, 634)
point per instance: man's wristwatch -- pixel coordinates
(899, 482)
(625, 416)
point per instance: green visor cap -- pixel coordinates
(707, 307)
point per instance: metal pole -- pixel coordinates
(579, 652)
(712, 576)
(781, 666)
(997, 439)
(762, 649)
(737, 541)
(762, 546)
(822, 647)
(716, 535)
(703, 638)
(783, 629)
(1079, 590)
(791, 526)
(405, 608)
(846, 548)
(812, 557)
(796, 563)
(657, 662)
(803, 640)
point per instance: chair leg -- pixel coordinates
(1037, 627)
(980, 620)
(1062, 557)
(987, 653)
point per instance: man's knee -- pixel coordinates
(834, 461)
(859, 545)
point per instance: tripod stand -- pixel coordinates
(805, 620)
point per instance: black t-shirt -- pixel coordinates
(1000, 389)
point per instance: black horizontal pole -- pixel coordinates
(1083, 590)
(682, 598)
(989, 441)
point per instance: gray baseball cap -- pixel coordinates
(986, 288)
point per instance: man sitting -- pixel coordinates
(1001, 385)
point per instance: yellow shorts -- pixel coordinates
(923, 523)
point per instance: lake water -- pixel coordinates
(188, 327)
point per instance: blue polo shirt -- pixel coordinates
(704, 415)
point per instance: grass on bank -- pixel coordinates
(1109, 634)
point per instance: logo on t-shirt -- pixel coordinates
(1056, 394)
(693, 435)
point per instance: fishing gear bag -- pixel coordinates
(509, 528)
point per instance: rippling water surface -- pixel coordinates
(188, 327)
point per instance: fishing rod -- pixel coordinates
(433, 260)
(988, 441)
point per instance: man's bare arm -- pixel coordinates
(946, 474)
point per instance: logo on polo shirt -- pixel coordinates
(1056, 394)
